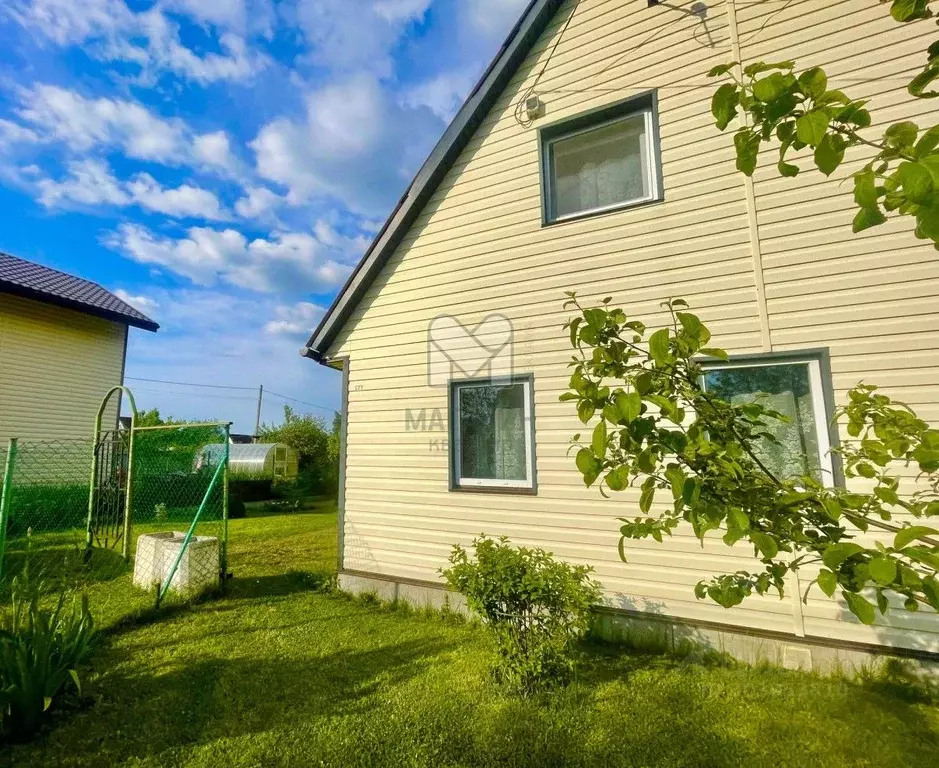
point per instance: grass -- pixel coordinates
(280, 673)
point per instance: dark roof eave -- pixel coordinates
(59, 301)
(503, 67)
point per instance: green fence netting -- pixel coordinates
(154, 529)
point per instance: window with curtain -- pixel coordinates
(601, 167)
(492, 435)
(794, 390)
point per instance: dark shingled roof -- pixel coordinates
(34, 281)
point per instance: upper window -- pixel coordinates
(491, 434)
(794, 388)
(601, 162)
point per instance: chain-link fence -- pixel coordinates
(141, 514)
(179, 503)
(45, 506)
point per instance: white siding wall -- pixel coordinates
(55, 366)
(778, 272)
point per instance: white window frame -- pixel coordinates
(458, 481)
(819, 406)
(648, 158)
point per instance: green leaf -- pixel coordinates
(829, 153)
(599, 439)
(75, 679)
(766, 544)
(927, 143)
(828, 582)
(747, 144)
(860, 607)
(918, 84)
(589, 466)
(867, 218)
(813, 82)
(908, 10)
(751, 70)
(659, 347)
(787, 169)
(865, 189)
(721, 69)
(902, 135)
(586, 410)
(770, 88)
(738, 519)
(911, 534)
(724, 105)
(629, 405)
(836, 554)
(931, 591)
(647, 496)
(917, 182)
(720, 354)
(832, 508)
(883, 570)
(812, 127)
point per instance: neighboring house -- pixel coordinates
(623, 188)
(63, 341)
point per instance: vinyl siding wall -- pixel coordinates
(769, 266)
(55, 366)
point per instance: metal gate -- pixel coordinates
(108, 521)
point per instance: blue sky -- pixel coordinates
(223, 164)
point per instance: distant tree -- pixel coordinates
(318, 448)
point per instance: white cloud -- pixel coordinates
(258, 203)
(142, 303)
(109, 31)
(13, 133)
(58, 114)
(90, 182)
(289, 262)
(356, 36)
(356, 145)
(443, 95)
(213, 336)
(494, 18)
(184, 201)
(214, 151)
(297, 320)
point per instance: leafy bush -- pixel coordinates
(43, 507)
(40, 651)
(535, 606)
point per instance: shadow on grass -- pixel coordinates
(146, 713)
(63, 566)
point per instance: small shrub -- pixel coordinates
(535, 606)
(41, 649)
(161, 513)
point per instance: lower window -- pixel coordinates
(794, 386)
(491, 434)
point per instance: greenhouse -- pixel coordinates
(257, 461)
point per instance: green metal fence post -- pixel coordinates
(6, 497)
(225, 510)
(129, 480)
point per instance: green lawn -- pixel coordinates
(277, 673)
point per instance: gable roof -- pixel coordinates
(477, 105)
(34, 281)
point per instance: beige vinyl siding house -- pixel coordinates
(770, 264)
(61, 350)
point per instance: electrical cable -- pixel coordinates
(520, 107)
